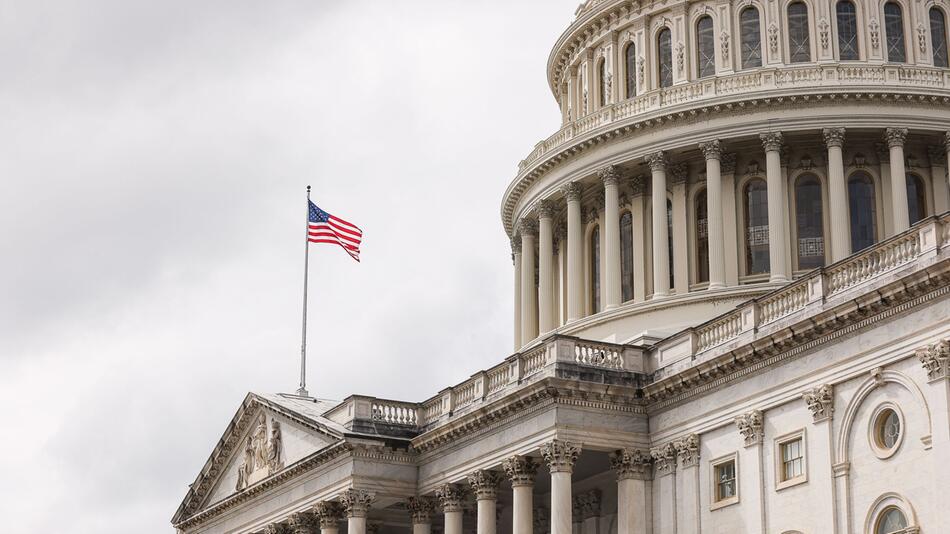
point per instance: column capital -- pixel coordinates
(588, 503)
(946, 141)
(752, 427)
(520, 470)
(278, 528)
(657, 161)
(771, 141)
(485, 483)
(638, 185)
(329, 513)
(711, 149)
(560, 455)
(883, 154)
(451, 497)
(834, 137)
(544, 209)
(527, 227)
(821, 401)
(687, 450)
(895, 137)
(420, 509)
(664, 459)
(356, 502)
(515, 245)
(572, 191)
(936, 359)
(727, 164)
(303, 523)
(937, 154)
(631, 463)
(610, 175)
(678, 173)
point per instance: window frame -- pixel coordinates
(874, 425)
(884, 513)
(659, 58)
(875, 217)
(944, 36)
(742, 36)
(857, 30)
(903, 40)
(630, 277)
(717, 503)
(596, 280)
(793, 213)
(630, 80)
(780, 443)
(923, 197)
(700, 196)
(699, 44)
(747, 276)
(808, 30)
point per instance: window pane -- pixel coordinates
(626, 256)
(808, 219)
(938, 37)
(631, 70)
(893, 520)
(706, 47)
(799, 50)
(595, 269)
(792, 459)
(757, 227)
(894, 32)
(726, 480)
(862, 210)
(751, 45)
(890, 429)
(602, 74)
(702, 238)
(916, 198)
(665, 49)
(847, 31)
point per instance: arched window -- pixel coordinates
(890, 521)
(756, 227)
(751, 38)
(665, 60)
(669, 236)
(938, 37)
(847, 16)
(799, 47)
(894, 33)
(862, 210)
(916, 198)
(705, 47)
(602, 79)
(702, 238)
(808, 222)
(631, 55)
(595, 270)
(626, 256)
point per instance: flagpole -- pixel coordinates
(302, 390)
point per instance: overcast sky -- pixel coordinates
(153, 162)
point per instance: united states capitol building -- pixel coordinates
(731, 315)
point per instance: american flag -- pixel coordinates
(325, 228)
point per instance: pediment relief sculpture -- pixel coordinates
(262, 454)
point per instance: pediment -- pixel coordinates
(266, 435)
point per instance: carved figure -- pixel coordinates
(274, 449)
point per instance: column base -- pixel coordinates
(775, 278)
(716, 285)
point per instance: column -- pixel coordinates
(529, 298)
(303, 523)
(661, 255)
(589, 504)
(516, 259)
(565, 99)
(560, 457)
(485, 486)
(895, 138)
(678, 175)
(638, 212)
(611, 225)
(451, 497)
(687, 450)
(751, 427)
(575, 253)
(837, 195)
(330, 514)
(356, 505)
(772, 142)
(946, 178)
(521, 471)
(730, 237)
(634, 498)
(885, 222)
(572, 113)
(546, 321)
(714, 237)
(664, 461)
(938, 178)
(420, 511)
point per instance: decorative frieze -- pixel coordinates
(834, 137)
(657, 160)
(771, 141)
(631, 463)
(936, 360)
(821, 401)
(329, 513)
(610, 175)
(895, 137)
(451, 497)
(664, 459)
(572, 191)
(752, 427)
(485, 483)
(520, 470)
(711, 149)
(560, 455)
(687, 450)
(420, 509)
(303, 523)
(356, 502)
(262, 454)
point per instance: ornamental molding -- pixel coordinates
(687, 450)
(560, 455)
(823, 32)
(771, 141)
(773, 38)
(632, 463)
(875, 29)
(356, 502)
(572, 191)
(528, 228)
(724, 47)
(751, 426)
(451, 497)
(420, 509)
(922, 38)
(664, 459)
(545, 209)
(680, 57)
(656, 160)
(521, 470)
(484, 484)
(821, 402)
(936, 360)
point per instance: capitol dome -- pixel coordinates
(784, 136)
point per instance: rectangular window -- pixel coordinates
(725, 482)
(790, 468)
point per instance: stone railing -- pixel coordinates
(604, 355)
(395, 412)
(751, 84)
(926, 237)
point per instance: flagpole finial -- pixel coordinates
(308, 188)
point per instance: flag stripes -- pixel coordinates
(326, 228)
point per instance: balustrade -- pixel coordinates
(394, 412)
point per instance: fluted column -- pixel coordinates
(712, 151)
(521, 471)
(529, 299)
(575, 253)
(772, 143)
(356, 505)
(330, 514)
(485, 486)
(661, 251)
(560, 457)
(516, 259)
(634, 498)
(420, 511)
(451, 497)
(611, 223)
(837, 195)
(546, 321)
(895, 138)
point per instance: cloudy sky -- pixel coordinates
(153, 162)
